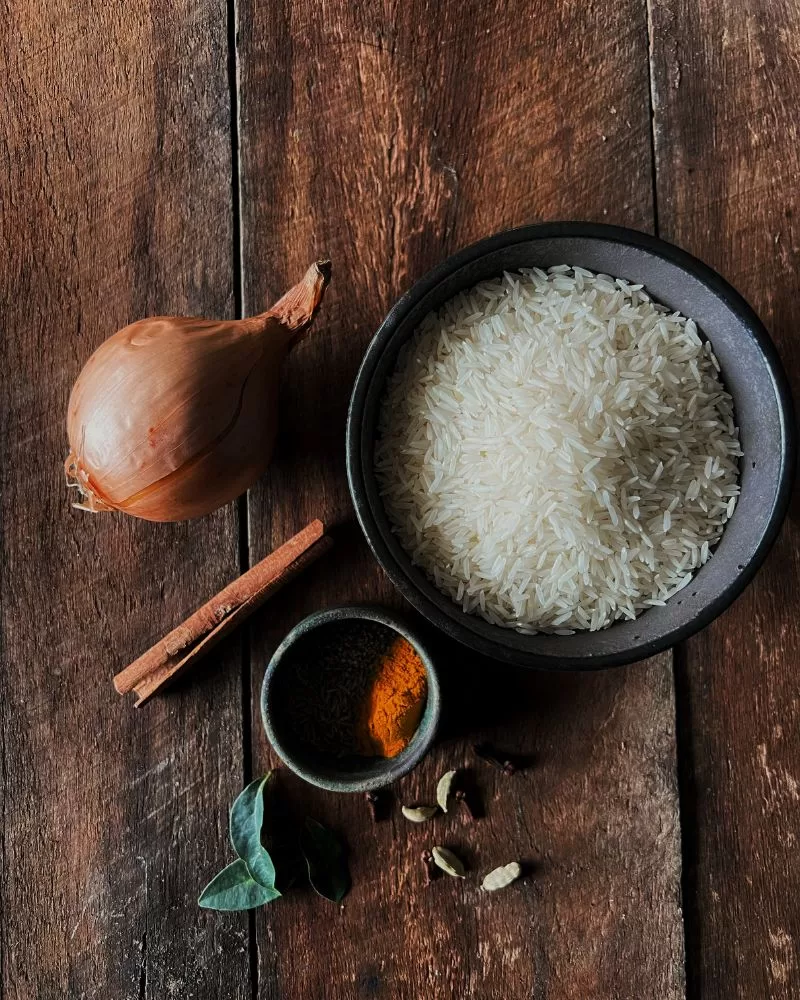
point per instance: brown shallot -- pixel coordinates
(172, 417)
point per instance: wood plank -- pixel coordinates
(114, 203)
(726, 79)
(386, 136)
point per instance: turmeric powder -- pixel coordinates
(394, 700)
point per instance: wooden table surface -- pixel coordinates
(175, 157)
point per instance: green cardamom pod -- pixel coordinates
(419, 814)
(500, 877)
(448, 862)
(443, 790)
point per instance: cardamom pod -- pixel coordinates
(448, 862)
(501, 877)
(443, 790)
(419, 814)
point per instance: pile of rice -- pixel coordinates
(556, 450)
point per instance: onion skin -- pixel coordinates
(173, 417)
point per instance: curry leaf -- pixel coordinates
(235, 889)
(247, 818)
(326, 861)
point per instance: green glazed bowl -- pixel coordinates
(352, 774)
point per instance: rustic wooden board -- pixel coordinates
(726, 80)
(114, 202)
(387, 136)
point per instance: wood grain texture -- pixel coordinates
(386, 136)
(114, 203)
(726, 80)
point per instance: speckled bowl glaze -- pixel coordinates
(751, 370)
(326, 771)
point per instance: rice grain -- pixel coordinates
(556, 451)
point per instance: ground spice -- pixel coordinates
(395, 699)
(352, 688)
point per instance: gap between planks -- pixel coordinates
(242, 508)
(684, 760)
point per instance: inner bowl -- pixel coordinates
(751, 371)
(344, 774)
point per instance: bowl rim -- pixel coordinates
(450, 624)
(391, 768)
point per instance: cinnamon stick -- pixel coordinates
(203, 629)
(170, 672)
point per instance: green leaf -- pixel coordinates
(235, 889)
(326, 861)
(247, 818)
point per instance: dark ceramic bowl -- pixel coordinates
(752, 373)
(357, 774)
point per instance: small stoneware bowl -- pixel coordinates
(361, 774)
(751, 370)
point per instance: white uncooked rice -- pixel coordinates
(556, 450)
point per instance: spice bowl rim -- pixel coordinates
(752, 372)
(384, 771)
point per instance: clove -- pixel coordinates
(463, 800)
(491, 756)
(431, 871)
(374, 803)
(378, 803)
